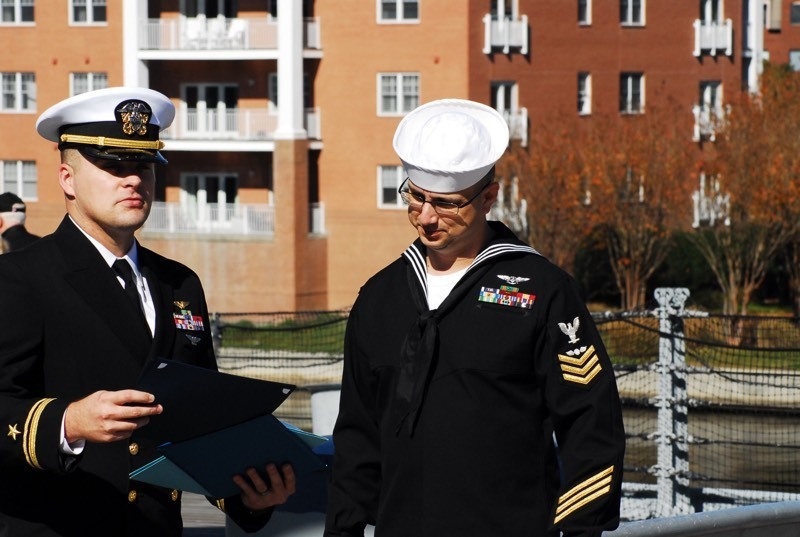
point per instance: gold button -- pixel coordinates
(133, 448)
(132, 496)
(175, 495)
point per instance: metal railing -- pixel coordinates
(220, 33)
(211, 218)
(505, 33)
(235, 124)
(713, 37)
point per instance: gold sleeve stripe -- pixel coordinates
(31, 430)
(221, 504)
(580, 370)
(584, 493)
(112, 142)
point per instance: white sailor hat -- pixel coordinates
(450, 144)
(121, 123)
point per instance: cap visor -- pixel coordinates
(123, 155)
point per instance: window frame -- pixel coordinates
(584, 96)
(383, 188)
(584, 12)
(627, 12)
(794, 9)
(627, 92)
(91, 7)
(21, 92)
(20, 181)
(94, 80)
(19, 9)
(400, 97)
(399, 12)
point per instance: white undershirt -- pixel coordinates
(440, 285)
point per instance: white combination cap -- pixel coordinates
(121, 123)
(451, 144)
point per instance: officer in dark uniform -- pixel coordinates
(12, 223)
(81, 312)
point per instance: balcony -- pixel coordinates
(517, 125)
(238, 124)
(713, 37)
(211, 219)
(706, 120)
(220, 33)
(505, 34)
(257, 220)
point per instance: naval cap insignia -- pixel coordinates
(513, 280)
(134, 116)
(571, 329)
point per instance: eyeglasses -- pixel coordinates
(415, 200)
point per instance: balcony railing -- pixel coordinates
(518, 125)
(506, 34)
(712, 37)
(220, 33)
(241, 124)
(706, 121)
(211, 218)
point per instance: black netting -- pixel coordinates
(738, 389)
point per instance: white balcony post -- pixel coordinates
(290, 71)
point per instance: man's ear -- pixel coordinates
(489, 196)
(66, 179)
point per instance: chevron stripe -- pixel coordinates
(31, 430)
(580, 370)
(583, 494)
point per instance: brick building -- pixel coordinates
(281, 187)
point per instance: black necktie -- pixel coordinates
(124, 271)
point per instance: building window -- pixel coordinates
(631, 12)
(794, 59)
(207, 198)
(585, 12)
(19, 92)
(83, 82)
(272, 92)
(502, 10)
(16, 11)
(584, 94)
(19, 177)
(398, 10)
(398, 93)
(389, 180)
(88, 11)
(631, 93)
(211, 108)
(711, 11)
(794, 13)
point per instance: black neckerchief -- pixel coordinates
(420, 347)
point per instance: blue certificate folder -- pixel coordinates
(215, 425)
(206, 465)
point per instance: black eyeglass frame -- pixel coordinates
(404, 191)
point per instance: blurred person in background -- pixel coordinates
(12, 223)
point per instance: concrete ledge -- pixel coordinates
(764, 520)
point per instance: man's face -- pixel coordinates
(114, 195)
(446, 231)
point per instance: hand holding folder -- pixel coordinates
(233, 431)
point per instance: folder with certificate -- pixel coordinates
(216, 425)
